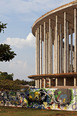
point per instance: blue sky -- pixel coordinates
(20, 16)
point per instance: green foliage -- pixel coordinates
(5, 53)
(72, 97)
(6, 82)
(9, 85)
(2, 26)
(23, 82)
(31, 83)
(5, 75)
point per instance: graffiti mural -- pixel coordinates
(63, 96)
(49, 98)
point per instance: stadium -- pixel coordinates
(56, 48)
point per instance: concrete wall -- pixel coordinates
(58, 99)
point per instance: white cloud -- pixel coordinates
(21, 69)
(27, 6)
(20, 43)
(29, 9)
(18, 64)
(17, 67)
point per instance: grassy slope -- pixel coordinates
(8, 111)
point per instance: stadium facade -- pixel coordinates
(56, 48)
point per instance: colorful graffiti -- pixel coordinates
(59, 99)
(50, 98)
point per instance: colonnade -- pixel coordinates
(54, 53)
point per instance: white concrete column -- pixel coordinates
(58, 54)
(69, 61)
(75, 31)
(56, 82)
(65, 43)
(62, 60)
(50, 65)
(56, 46)
(35, 83)
(71, 69)
(44, 83)
(61, 46)
(36, 58)
(74, 81)
(54, 54)
(67, 48)
(38, 53)
(44, 52)
(73, 54)
(47, 49)
(40, 49)
(64, 81)
(49, 82)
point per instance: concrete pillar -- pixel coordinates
(44, 52)
(35, 83)
(38, 54)
(40, 83)
(64, 81)
(49, 82)
(67, 48)
(61, 46)
(50, 65)
(54, 54)
(71, 69)
(62, 60)
(73, 54)
(58, 54)
(40, 49)
(47, 49)
(75, 31)
(56, 82)
(65, 44)
(44, 83)
(56, 47)
(36, 58)
(74, 81)
(69, 61)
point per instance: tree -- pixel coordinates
(2, 26)
(6, 76)
(9, 85)
(5, 51)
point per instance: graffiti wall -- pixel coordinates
(59, 99)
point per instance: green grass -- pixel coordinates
(9, 111)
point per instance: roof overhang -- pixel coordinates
(59, 12)
(61, 75)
